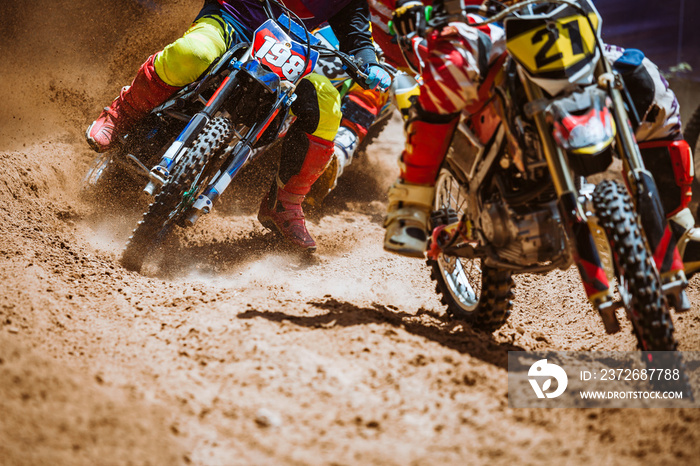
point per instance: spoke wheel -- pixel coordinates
(472, 293)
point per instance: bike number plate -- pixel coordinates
(332, 68)
(280, 53)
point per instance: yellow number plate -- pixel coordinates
(560, 45)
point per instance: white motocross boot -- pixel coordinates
(407, 219)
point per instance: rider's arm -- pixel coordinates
(351, 27)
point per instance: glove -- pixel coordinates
(377, 78)
(408, 17)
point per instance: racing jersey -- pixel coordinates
(381, 11)
(349, 20)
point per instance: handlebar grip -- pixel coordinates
(359, 77)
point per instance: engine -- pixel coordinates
(524, 236)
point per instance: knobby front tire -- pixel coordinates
(158, 221)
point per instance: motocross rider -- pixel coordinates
(360, 106)
(308, 145)
(454, 58)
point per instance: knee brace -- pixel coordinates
(317, 107)
(671, 164)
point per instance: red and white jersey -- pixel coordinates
(380, 13)
(453, 62)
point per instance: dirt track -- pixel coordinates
(242, 352)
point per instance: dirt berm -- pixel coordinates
(240, 351)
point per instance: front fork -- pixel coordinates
(236, 158)
(586, 253)
(160, 173)
(596, 281)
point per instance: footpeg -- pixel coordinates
(607, 313)
(157, 176)
(201, 206)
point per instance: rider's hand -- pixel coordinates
(377, 78)
(408, 17)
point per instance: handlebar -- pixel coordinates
(439, 21)
(350, 64)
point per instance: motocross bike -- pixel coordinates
(240, 104)
(125, 168)
(516, 193)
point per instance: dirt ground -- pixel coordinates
(240, 351)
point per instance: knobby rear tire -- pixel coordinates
(372, 134)
(479, 296)
(494, 299)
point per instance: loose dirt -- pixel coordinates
(241, 351)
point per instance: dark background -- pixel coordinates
(667, 31)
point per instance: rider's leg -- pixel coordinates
(306, 151)
(665, 154)
(180, 63)
(360, 108)
(146, 92)
(428, 137)
(671, 164)
(449, 74)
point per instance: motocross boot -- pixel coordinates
(345, 144)
(281, 210)
(671, 164)
(360, 109)
(146, 92)
(428, 138)
(407, 218)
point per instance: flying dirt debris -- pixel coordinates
(241, 352)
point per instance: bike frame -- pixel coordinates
(581, 225)
(272, 66)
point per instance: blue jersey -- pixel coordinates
(349, 20)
